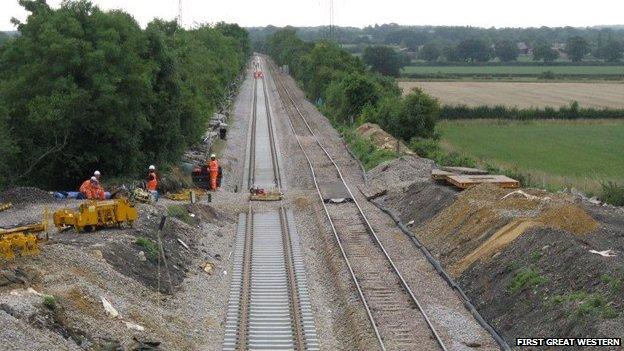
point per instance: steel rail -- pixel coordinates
(259, 311)
(368, 226)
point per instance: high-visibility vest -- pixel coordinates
(152, 181)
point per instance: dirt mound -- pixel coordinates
(570, 218)
(207, 213)
(382, 139)
(26, 195)
(485, 219)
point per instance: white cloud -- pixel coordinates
(484, 13)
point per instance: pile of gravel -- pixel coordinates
(26, 195)
(405, 169)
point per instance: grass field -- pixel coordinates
(579, 154)
(595, 95)
(521, 70)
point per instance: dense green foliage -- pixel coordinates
(577, 47)
(506, 50)
(543, 52)
(385, 60)
(84, 89)
(613, 193)
(573, 111)
(347, 92)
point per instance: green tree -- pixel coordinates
(506, 51)
(347, 97)
(610, 51)
(473, 50)
(419, 116)
(430, 52)
(543, 52)
(383, 59)
(325, 63)
(577, 47)
(284, 46)
(83, 89)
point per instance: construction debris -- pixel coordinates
(185, 194)
(108, 307)
(6, 206)
(96, 214)
(605, 253)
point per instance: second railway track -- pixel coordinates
(269, 304)
(396, 316)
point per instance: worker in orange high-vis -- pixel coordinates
(213, 168)
(91, 190)
(152, 179)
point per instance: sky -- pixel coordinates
(360, 13)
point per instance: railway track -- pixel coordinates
(269, 304)
(396, 316)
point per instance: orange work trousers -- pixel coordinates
(213, 180)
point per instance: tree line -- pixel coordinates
(350, 92)
(84, 89)
(473, 44)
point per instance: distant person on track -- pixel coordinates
(213, 168)
(97, 175)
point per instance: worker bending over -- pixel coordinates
(213, 168)
(91, 190)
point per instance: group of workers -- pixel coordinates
(91, 188)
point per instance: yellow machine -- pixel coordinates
(265, 195)
(97, 214)
(22, 240)
(4, 207)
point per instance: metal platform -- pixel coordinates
(334, 191)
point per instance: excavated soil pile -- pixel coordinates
(485, 219)
(554, 282)
(382, 139)
(26, 195)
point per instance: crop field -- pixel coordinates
(579, 154)
(597, 95)
(515, 70)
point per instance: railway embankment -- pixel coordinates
(534, 264)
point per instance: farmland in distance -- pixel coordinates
(523, 95)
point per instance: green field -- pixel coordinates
(581, 154)
(515, 70)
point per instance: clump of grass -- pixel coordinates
(148, 245)
(524, 279)
(588, 304)
(535, 256)
(180, 213)
(366, 151)
(49, 301)
(612, 193)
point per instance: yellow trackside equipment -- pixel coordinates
(97, 214)
(22, 240)
(5, 206)
(185, 194)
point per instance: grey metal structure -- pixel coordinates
(269, 304)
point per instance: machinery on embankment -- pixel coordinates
(22, 240)
(92, 215)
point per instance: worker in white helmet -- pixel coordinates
(213, 167)
(152, 179)
(97, 175)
